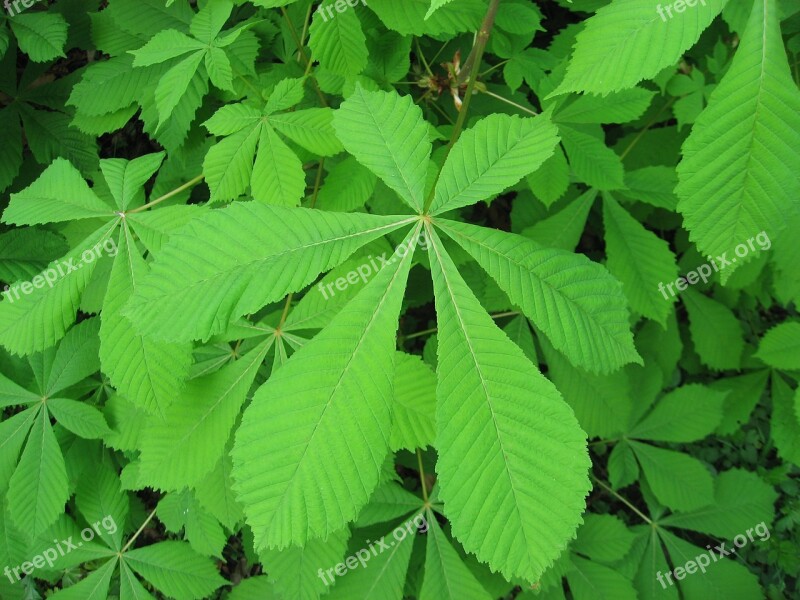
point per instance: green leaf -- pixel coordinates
(41, 35)
(741, 500)
(183, 447)
(497, 410)
(324, 411)
(175, 570)
(126, 178)
(492, 156)
(311, 129)
(414, 403)
(785, 422)
(409, 17)
(278, 251)
(163, 46)
(38, 488)
(278, 176)
(604, 538)
(780, 346)
(150, 373)
(446, 576)
(623, 469)
(592, 581)
(743, 394)
(640, 260)
(592, 162)
(59, 194)
(101, 501)
(385, 574)
(173, 86)
(338, 42)
(12, 435)
(25, 252)
(621, 107)
(679, 481)
(738, 173)
(575, 302)
(294, 570)
(93, 587)
(387, 134)
(606, 62)
(81, 419)
(210, 20)
(686, 414)
(563, 230)
(76, 357)
(715, 330)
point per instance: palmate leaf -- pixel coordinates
(575, 302)
(627, 41)
(738, 175)
(495, 154)
(327, 410)
(387, 134)
(201, 282)
(495, 409)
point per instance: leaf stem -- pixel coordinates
(511, 102)
(139, 531)
(422, 477)
(168, 195)
(608, 488)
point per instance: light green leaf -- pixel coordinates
(149, 373)
(592, 581)
(126, 178)
(278, 251)
(278, 176)
(183, 447)
(446, 576)
(38, 488)
(327, 410)
(414, 403)
(592, 162)
(311, 129)
(93, 587)
(738, 175)
(175, 570)
(387, 134)
(173, 86)
(574, 301)
(59, 194)
(80, 418)
(604, 62)
(604, 538)
(495, 409)
(338, 43)
(621, 107)
(163, 46)
(492, 156)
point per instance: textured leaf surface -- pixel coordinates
(627, 41)
(387, 134)
(496, 409)
(575, 302)
(327, 410)
(495, 154)
(194, 290)
(738, 175)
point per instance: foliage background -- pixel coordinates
(157, 385)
